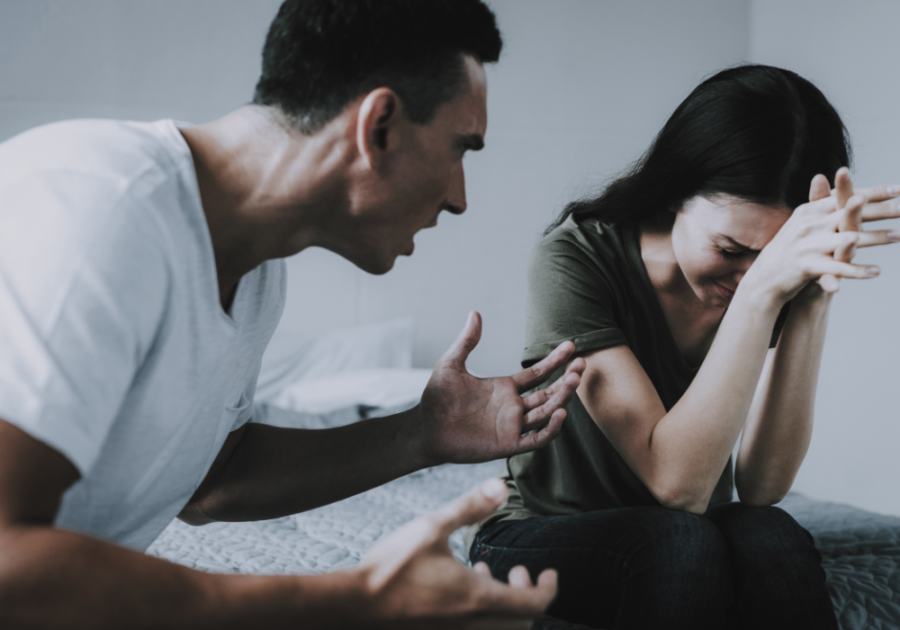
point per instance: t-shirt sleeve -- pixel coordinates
(570, 297)
(81, 297)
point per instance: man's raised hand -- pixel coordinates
(411, 579)
(467, 419)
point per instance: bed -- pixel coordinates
(860, 550)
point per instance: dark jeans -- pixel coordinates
(737, 566)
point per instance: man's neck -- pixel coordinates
(263, 188)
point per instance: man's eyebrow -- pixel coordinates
(736, 244)
(472, 142)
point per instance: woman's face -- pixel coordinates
(716, 239)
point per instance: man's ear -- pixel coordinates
(376, 125)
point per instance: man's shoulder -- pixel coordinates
(85, 202)
(111, 150)
(86, 180)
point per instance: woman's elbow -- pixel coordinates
(760, 497)
(760, 491)
(683, 498)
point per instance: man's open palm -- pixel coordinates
(470, 419)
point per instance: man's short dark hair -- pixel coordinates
(320, 55)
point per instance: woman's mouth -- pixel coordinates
(724, 292)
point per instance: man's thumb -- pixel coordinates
(466, 341)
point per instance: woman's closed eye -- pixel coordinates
(728, 254)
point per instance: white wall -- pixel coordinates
(850, 51)
(188, 59)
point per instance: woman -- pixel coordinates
(674, 285)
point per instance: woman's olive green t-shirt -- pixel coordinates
(588, 285)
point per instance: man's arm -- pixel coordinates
(265, 472)
(52, 578)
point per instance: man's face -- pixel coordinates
(422, 178)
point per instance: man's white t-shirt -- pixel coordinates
(114, 347)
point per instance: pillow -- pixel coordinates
(379, 387)
(292, 358)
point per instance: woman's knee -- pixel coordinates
(759, 527)
(688, 545)
(767, 540)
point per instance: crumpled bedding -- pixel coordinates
(861, 557)
(324, 539)
(860, 550)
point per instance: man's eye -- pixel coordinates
(730, 255)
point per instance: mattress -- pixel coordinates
(860, 550)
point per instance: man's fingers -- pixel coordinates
(471, 507)
(527, 601)
(481, 568)
(541, 396)
(547, 579)
(465, 342)
(572, 378)
(541, 371)
(564, 389)
(534, 441)
(519, 578)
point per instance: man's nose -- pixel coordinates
(456, 196)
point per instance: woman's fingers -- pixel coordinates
(843, 186)
(851, 222)
(878, 237)
(879, 193)
(881, 210)
(846, 270)
(819, 188)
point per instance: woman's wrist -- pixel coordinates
(757, 298)
(812, 296)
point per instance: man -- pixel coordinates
(140, 280)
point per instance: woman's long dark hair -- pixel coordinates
(754, 132)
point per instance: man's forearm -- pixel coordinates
(52, 578)
(274, 472)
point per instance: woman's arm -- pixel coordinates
(779, 427)
(680, 455)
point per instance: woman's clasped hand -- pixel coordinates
(820, 238)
